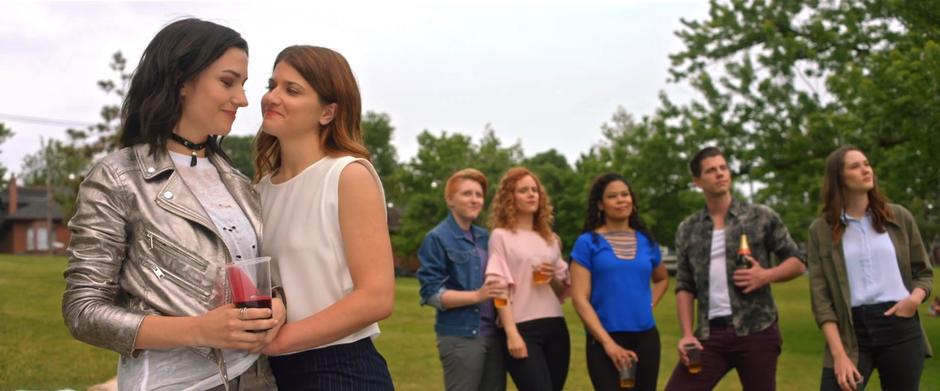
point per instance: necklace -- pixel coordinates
(188, 144)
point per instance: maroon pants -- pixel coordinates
(754, 356)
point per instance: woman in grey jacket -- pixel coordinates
(157, 221)
(868, 274)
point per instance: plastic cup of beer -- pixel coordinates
(540, 278)
(500, 302)
(695, 358)
(628, 375)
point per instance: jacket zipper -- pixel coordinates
(189, 286)
(165, 244)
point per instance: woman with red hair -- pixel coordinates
(526, 255)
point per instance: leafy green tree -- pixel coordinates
(421, 181)
(377, 132)
(63, 165)
(68, 161)
(564, 190)
(241, 151)
(5, 133)
(781, 84)
(652, 156)
(493, 160)
(102, 137)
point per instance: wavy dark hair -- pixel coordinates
(833, 196)
(595, 217)
(329, 74)
(177, 54)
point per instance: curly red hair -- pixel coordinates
(503, 207)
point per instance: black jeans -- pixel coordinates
(891, 344)
(603, 373)
(549, 348)
(352, 366)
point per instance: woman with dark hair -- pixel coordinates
(868, 272)
(325, 225)
(157, 221)
(453, 258)
(526, 255)
(613, 261)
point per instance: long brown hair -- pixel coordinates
(503, 207)
(833, 196)
(330, 76)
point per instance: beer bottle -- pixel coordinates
(745, 250)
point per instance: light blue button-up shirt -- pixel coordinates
(871, 263)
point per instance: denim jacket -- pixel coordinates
(450, 262)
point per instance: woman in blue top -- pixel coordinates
(613, 261)
(453, 259)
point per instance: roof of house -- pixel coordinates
(31, 205)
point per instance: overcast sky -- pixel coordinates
(546, 74)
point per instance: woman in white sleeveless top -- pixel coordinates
(325, 225)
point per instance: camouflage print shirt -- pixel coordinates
(766, 235)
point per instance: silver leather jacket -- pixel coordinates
(142, 244)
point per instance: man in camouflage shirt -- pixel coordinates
(737, 318)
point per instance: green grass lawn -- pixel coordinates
(37, 353)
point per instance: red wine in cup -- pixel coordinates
(258, 302)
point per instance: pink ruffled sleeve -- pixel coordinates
(497, 267)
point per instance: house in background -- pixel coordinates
(24, 221)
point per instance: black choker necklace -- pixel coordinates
(188, 144)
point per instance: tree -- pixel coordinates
(5, 133)
(782, 84)
(652, 156)
(102, 137)
(421, 181)
(60, 166)
(377, 132)
(241, 151)
(564, 190)
(68, 161)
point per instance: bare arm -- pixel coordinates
(581, 297)
(490, 290)
(514, 341)
(362, 220)
(660, 283)
(787, 270)
(846, 373)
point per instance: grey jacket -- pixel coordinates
(828, 280)
(142, 244)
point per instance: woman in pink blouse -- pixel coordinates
(526, 255)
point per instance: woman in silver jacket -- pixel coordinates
(158, 220)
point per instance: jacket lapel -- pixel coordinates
(174, 197)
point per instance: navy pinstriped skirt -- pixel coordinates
(356, 366)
